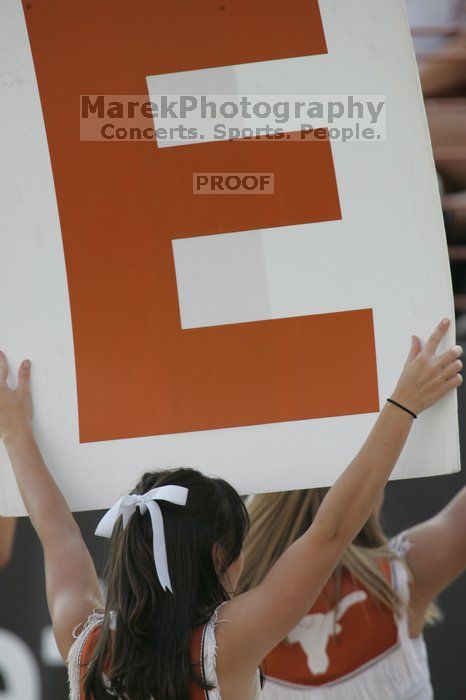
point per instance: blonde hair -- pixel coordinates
(278, 519)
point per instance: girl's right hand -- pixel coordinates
(427, 377)
(15, 404)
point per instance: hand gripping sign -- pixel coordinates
(249, 334)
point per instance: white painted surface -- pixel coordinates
(388, 253)
(18, 668)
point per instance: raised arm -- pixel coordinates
(264, 616)
(71, 579)
(7, 536)
(437, 555)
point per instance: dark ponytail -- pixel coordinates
(144, 645)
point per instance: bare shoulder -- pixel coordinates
(237, 676)
(436, 551)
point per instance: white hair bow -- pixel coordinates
(127, 505)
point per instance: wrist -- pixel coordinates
(402, 407)
(406, 400)
(18, 434)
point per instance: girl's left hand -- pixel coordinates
(15, 404)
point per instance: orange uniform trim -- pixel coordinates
(88, 649)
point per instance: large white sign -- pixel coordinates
(387, 255)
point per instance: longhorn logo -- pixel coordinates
(314, 631)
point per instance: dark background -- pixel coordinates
(22, 594)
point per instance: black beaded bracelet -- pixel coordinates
(395, 403)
